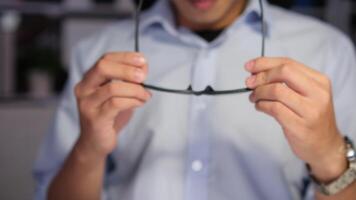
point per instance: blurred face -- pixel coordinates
(207, 14)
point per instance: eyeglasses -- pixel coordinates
(189, 91)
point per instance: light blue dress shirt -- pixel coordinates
(202, 147)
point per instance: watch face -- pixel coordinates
(351, 155)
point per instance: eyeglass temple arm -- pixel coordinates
(263, 29)
(137, 23)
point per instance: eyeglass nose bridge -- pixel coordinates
(207, 91)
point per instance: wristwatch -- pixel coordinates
(345, 180)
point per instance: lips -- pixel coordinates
(202, 4)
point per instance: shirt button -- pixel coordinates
(197, 165)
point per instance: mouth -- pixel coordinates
(202, 4)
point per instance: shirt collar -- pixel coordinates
(161, 14)
(252, 13)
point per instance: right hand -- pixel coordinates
(106, 98)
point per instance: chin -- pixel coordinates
(203, 20)
(203, 12)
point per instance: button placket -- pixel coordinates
(203, 71)
(203, 74)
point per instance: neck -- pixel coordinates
(226, 20)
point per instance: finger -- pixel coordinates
(284, 116)
(118, 89)
(106, 70)
(125, 116)
(113, 106)
(295, 79)
(283, 94)
(266, 63)
(128, 58)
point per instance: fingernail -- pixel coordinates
(139, 60)
(250, 81)
(139, 75)
(249, 65)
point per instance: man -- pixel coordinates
(114, 139)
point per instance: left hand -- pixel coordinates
(300, 99)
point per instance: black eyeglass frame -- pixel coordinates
(189, 91)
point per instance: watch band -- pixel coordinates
(346, 179)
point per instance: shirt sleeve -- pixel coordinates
(62, 135)
(343, 78)
(341, 70)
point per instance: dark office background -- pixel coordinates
(36, 37)
(39, 35)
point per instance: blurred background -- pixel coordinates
(36, 38)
